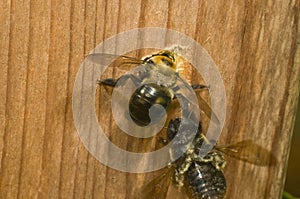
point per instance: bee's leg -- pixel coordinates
(194, 87)
(108, 82)
(199, 86)
(113, 82)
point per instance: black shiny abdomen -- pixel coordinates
(144, 98)
(204, 181)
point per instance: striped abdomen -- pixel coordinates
(144, 98)
(204, 181)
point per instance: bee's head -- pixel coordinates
(164, 58)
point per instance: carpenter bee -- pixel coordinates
(156, 84)
(200, 177)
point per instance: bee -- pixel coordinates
(160, 67)
(200, 177)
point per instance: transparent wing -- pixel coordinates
(203, 105)
(207, 110)
(103, 59)
(249, 151)
(158, 187)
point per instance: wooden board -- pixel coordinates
(43, 44)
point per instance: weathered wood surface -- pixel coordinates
(43, 43)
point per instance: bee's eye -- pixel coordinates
(167, 62)
(168, 55)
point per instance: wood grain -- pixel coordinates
(42, 44)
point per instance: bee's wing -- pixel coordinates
(104, 59)
(158, 187)
(249, 151)
(202, 103)
(207, 110)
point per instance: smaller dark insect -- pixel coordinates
(199, 177)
